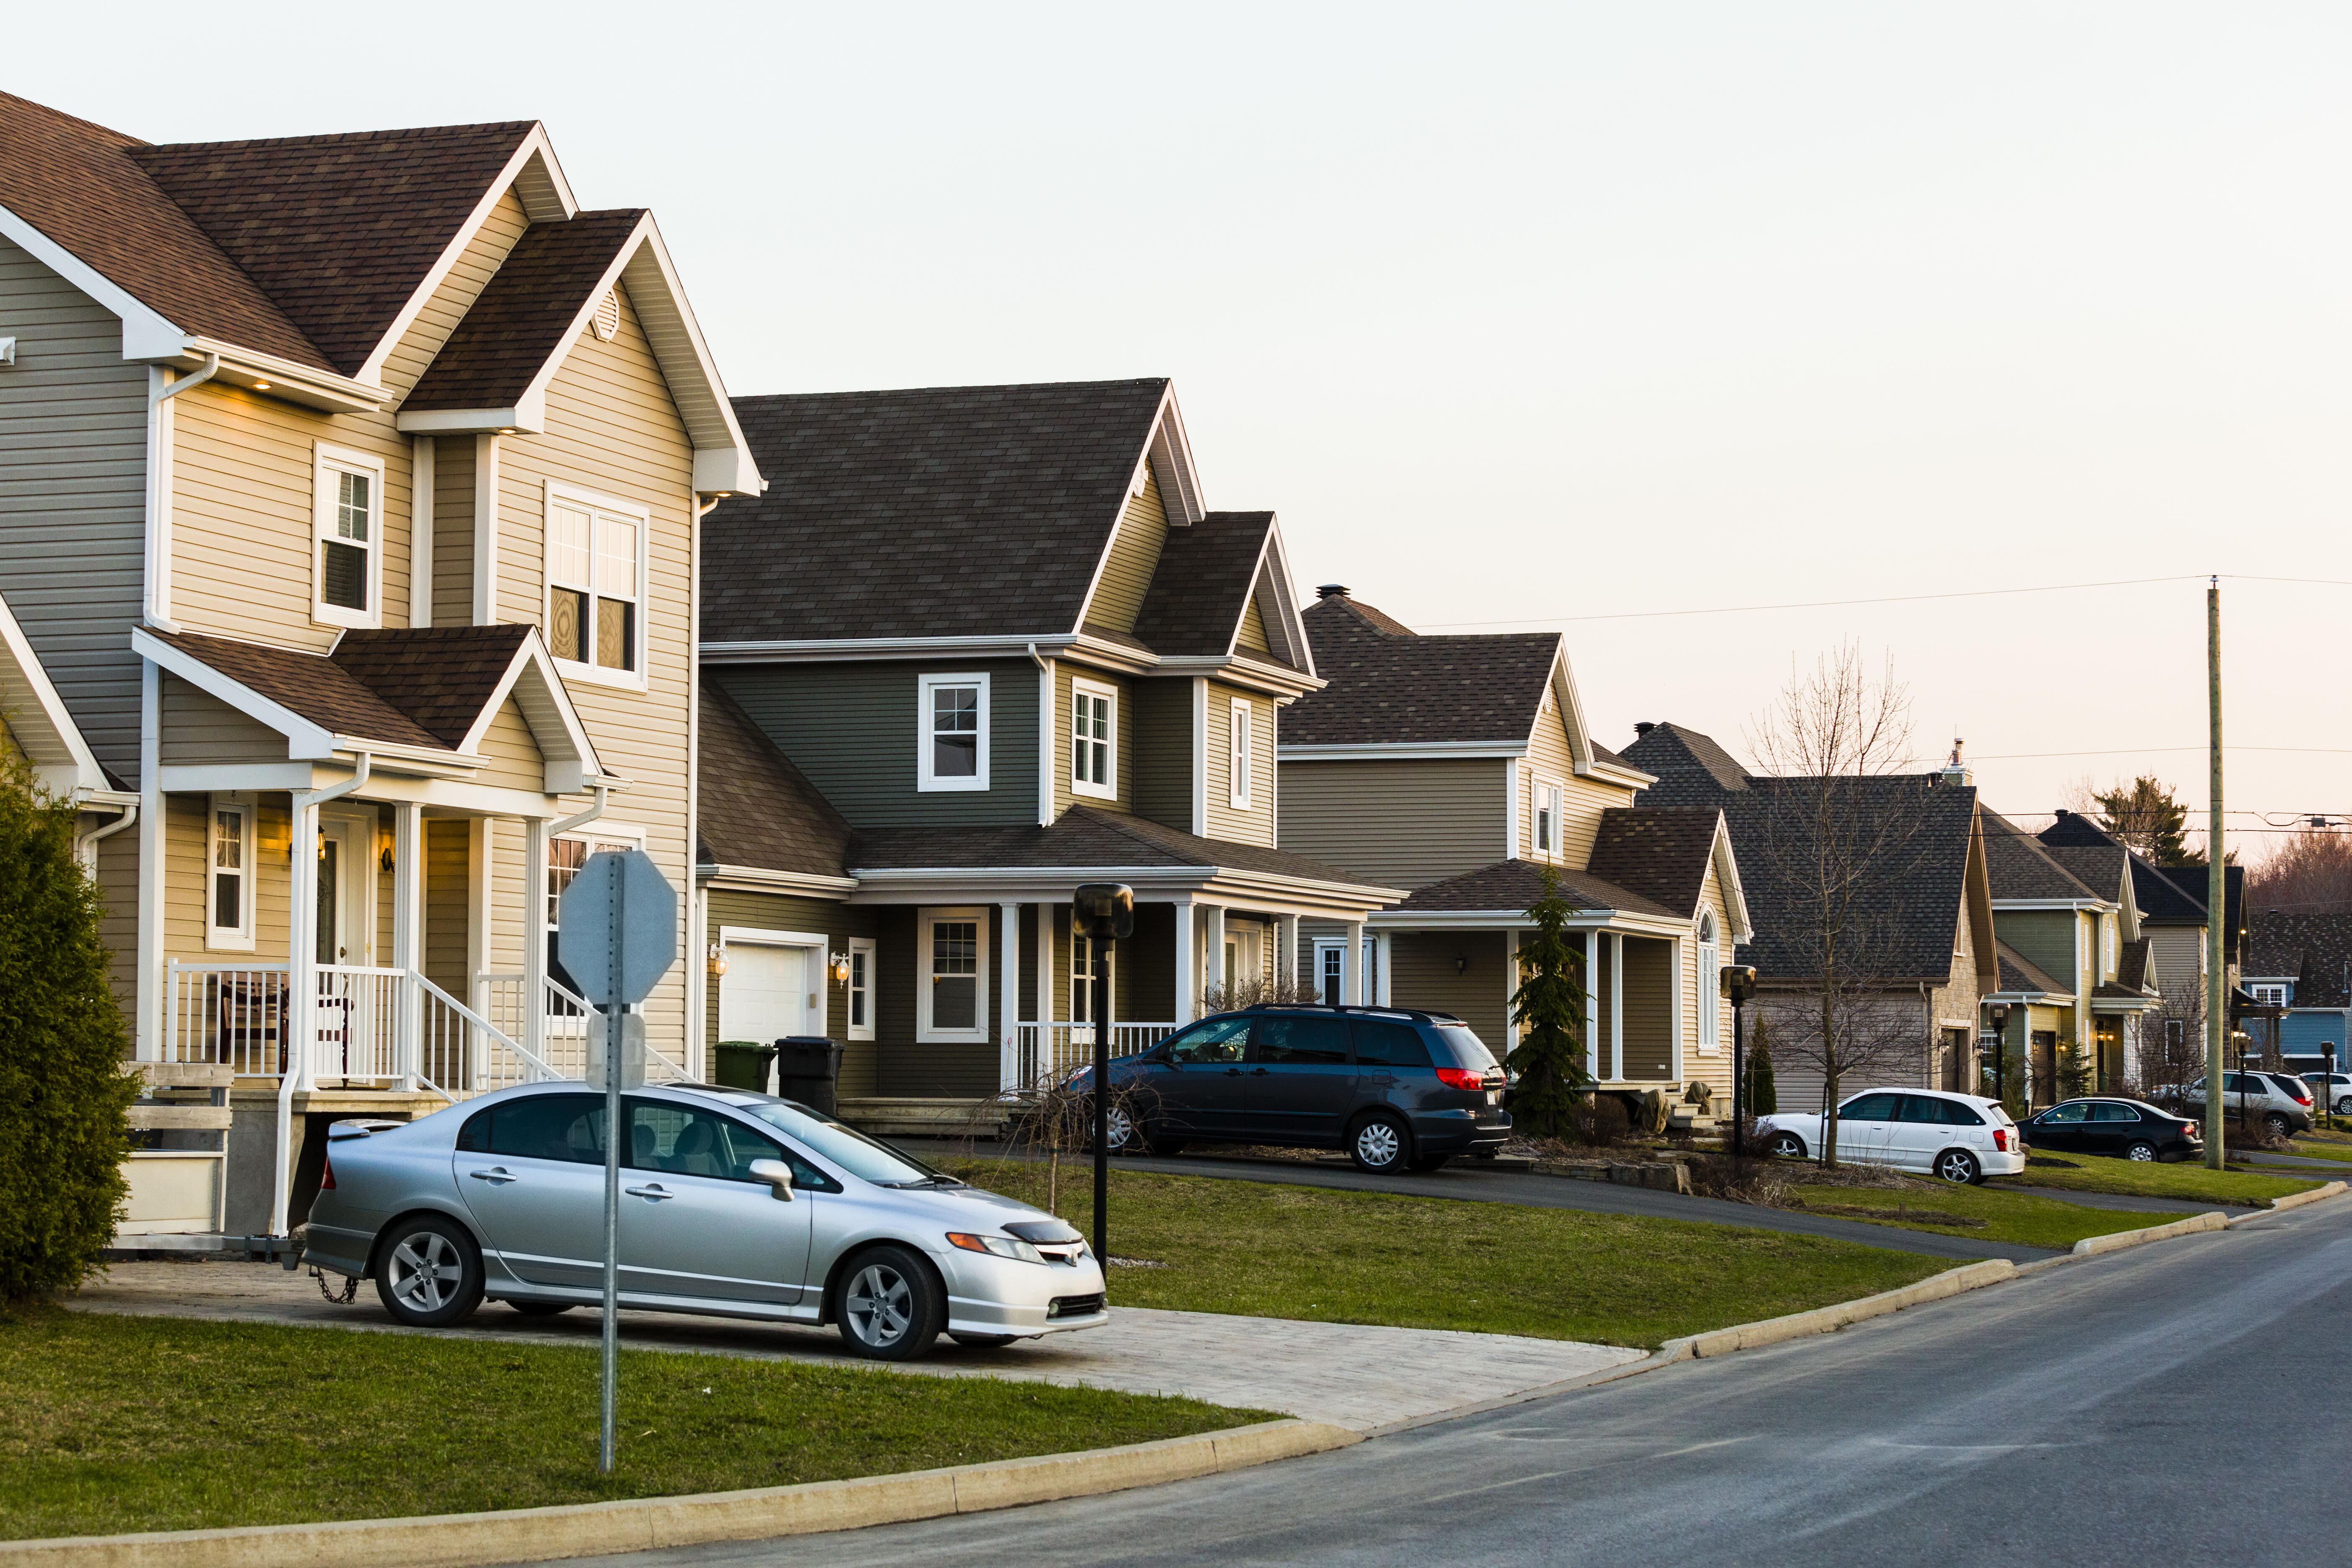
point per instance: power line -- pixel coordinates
(2143, 750)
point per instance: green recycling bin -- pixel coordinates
(743, 1064)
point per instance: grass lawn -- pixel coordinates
(1265, 1251)
(2024, 1217)
(114, 1424)
(2097, 1173)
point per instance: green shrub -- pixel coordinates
(1763, 1096)
(62, 1045)
(1549, 1005)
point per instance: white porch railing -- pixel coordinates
(236, 1014)
(563, 1026)
(1047, 1052)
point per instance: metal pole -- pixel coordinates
(2217, 908)
(613, 1132)
(1102, 1099)
(1738, 1080)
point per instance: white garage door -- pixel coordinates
(763, 996)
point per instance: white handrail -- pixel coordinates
(477, 1021)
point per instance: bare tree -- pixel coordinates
(2308, 874)
(1275, 990)
(1842, 820)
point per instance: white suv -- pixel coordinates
(2262, 1096)
(1959, 1137)
(2339, 1090)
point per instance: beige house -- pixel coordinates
(1461, 768)
(349, 490)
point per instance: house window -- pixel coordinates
(1093, 739)
(1082, 980)
(2107, 930)
(1238, 775)
(565, 857)
(1330, 961)
(861, 989)
(1547, 804)
(346, 519)
(1710, 981)
(595, 578)
(951, 750)
(952, 1003)
(2269, 996)
(229, 876)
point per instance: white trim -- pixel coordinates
(421, 454)
(926, 919)
(1708, 941)
(45, 728)
(1542, 791)
(1352, 986)
(237, 938)
(1188, 964)
(640, 516)
(859, 947)
(759, 878)
(2101, 905)
(147, 1041)
(1241, 759)
(1675, 947)
(1103, 691)
(925, 684)
(146, 334)
(1049, 733)
(1008, 996)
(162, 440)
(1593, 1002)
(1324, 947)
(328, 462)
(486, 530)
(1511, 812)
(1200, 756)
(1380, 974)
(818, 979)
(1305, 752)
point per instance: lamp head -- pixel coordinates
(1105, 909)
(1738, 982)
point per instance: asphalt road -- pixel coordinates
(2169, 1404)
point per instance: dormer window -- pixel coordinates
(952, 748)
(595, 576)
(1093, 739)
(346, 519)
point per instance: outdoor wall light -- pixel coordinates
(1461, 964)
(841, 969)
(717, 960)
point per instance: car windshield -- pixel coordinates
(863, 1157)
(1468, 1049)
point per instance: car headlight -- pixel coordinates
(998, 1246)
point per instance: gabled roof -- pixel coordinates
(1390, 686)
(38, 717)
(2020, 976)
(529, 310)
(1664, 854)
(1208, 574)
(1510, 887)
(2020, 869)
(1689, 767)
(755, 809)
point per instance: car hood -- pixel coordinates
(974, 1208)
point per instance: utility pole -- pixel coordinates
(2217, 884)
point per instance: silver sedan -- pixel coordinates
(732, 1202)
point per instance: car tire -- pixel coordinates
(1119, 1130)
(2344, 1106)
(2277, 1125)
(540, 1309)
(1422, 1165)
(1959, 1167)
(2141, 1150)
(1785, 1146)
(891, 1307)
(428, 1274)
(1380, 1144)
(984, 1341)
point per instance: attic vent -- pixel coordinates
(608, 316)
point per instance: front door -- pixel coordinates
(531, 1169)
(694, 1225)
(763, 996)
(1301, 1083)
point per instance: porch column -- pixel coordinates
(1591, 1004)
(1188, 985)
(407, 922)
(1511, 989)
(534, 943)
(1617, 1005)
(1046, 937)
(1008, 999)
(1212, 948)
(480, 885)
(1286, 950)
(1381, 980)
(1351, 983)
(301, 946)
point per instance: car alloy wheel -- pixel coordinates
(1957, 1166)
(430, 1275)
(1787, 1146)
(2142, 1151)
(2276, 1125)
(890, 1310)
(2344, 1106)
(1379, 1145)
(1118, 1130)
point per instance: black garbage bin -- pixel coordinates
(743, 1064)
(807, 1069)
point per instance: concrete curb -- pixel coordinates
(1825, 1320)
(2117, 1241)
(2295, 1201)
(643, 1524)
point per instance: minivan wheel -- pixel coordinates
(2143, 1149)
(1787, 1146)
(2276, 1125)
(1958, 1167)
(890, 1308)
(1380, 1144)
(429, 1274)
(1119, 1129)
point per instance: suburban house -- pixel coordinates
(1007, 650)
(1461, 768)
(1917, 926)
(349, 488)
(2074, 964)
(2299, 970)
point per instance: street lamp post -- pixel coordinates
(1104, 910)
(1738, 983)
(1999, 1011)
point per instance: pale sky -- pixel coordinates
(1518, 313)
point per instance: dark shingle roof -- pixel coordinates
(2315, 949)
(940, 511)
(524, 316)
(1691, 769)
(1661, 854)
(1082, 837)
(441, 677)
(2019, 973)
(2131, 964)
(1390, 685)
(755, 808)
(2020, 868)
(312, 685)
(338, 230)
(2099, 868)
(1512, 885)
(2162, 898)
(1203, 583)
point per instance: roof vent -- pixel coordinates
(1644, 728)
(1332, 590)
(608, 316)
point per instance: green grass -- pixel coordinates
(2097, 1174)
(115, 1423)
(2024, 1217)
(1264, 1250)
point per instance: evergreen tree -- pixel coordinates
(1763, 1096)
(2145, 816)
(1549, 1005)
(62, 1046)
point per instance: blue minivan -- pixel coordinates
(1397, 1089)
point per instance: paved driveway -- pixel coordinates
(1350, 1375)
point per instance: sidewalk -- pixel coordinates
(1349, 1375)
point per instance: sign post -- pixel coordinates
(620, 914)
(1105, 910)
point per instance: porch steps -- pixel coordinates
(892, 1118)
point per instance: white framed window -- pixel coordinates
(952, 969)
(1238, 778)
(1093, 739)
(595, 614)
(1082, 982)
(229, 873)
(951, 739)
(2269, 996)
(347, 547)
(1548, 802)
(861, 988)
(2107, 932)
(1710, 982)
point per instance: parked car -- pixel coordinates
(2261, 1098)
(733, 1202)
(1959, 1137)
(2127, 1129)
(2336, 1086)
(1399, 1089)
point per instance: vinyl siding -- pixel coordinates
(1397, 824)
(853, 730)
(1133, 557)
(1649, 981)
(186, 821)
(1256, 825)
(446, 864)
(200, 727)
(1162, 711)
(2174, 955)
(1702, 989)
(1582, 799)
(778, 912)
(453, 531)
(909, 1070)
(2047, 938)
(1253, 633)
(1422, 973)
(118, 878)
(1122, 736)
(73, 502)
(515, 759)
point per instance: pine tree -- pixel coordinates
(1763, 1094)
(62, 1046)
(2147, 818)
(1550, 1006)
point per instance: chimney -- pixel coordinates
(1956, 771)
(1643, 728)
(1332, 590)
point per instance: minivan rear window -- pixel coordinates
(1469, 1050)
(1380, 1043)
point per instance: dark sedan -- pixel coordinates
(2124, 1129)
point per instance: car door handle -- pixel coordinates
(1257, 1072)
(496, 1175)
(656, 1191)
(1233, 1072)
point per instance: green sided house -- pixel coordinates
(1007, 649)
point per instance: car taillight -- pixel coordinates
(1462, 1078)
(327, 1177)
(2000, 1139)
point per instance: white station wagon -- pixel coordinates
(1959, 1137)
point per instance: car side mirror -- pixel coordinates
(777, 1174)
